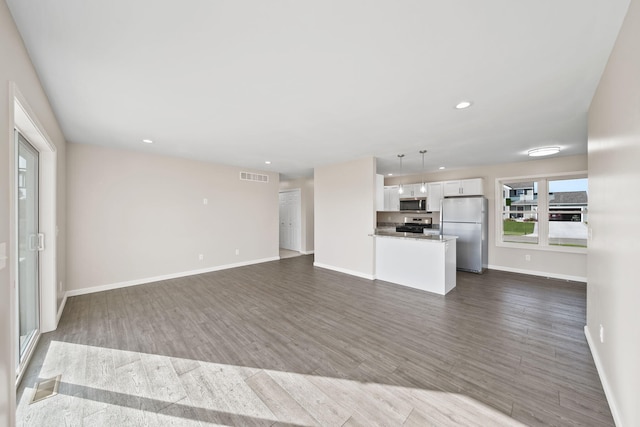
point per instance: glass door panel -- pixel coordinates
(29, 244)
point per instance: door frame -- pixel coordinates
(299, 209)
(23, 118)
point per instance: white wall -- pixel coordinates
(546, 263)
(345, 216)
(16, 66)
(306, 187)
(613, 288)
(137, 216)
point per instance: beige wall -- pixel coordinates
(545, 263)
(306, 195)
(16, 66)
(136, 216)
(613, 292)
(345, 216)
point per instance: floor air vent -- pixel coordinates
(257, 177)
(46, 388)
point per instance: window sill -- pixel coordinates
(538, 247)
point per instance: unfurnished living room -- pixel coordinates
(319, 213)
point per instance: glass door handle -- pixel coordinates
(33, 242)
(40, 241)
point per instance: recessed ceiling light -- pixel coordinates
(543, 151)
(463, 104)
(147, 141)
(389, 174)
(441, 167)
(267, 162)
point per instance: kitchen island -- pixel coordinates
(426, 262)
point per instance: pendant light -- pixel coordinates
(423, 187)
(400, 189)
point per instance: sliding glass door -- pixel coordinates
(30, 243)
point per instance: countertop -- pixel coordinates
(386, 232)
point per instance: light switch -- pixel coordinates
(205, 201)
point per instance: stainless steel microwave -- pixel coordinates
(413, 204)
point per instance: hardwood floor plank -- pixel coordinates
(284, 342)
(283, 406)
(325, 410)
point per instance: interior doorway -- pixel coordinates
(290, 220)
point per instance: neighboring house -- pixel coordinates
(521, 202)
(568, 206)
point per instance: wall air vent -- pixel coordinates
(250, 176)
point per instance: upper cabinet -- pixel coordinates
(410, 190)
(379, 192)
(464, 187)
(435, 196)
(391, 198)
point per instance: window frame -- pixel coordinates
(542, 212)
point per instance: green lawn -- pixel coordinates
(514, 228)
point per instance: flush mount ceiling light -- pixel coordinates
(267, 162)
(400, 189)
(463, 104)
(441, 168)
(389, 174)
(543, 151)
(147, 141)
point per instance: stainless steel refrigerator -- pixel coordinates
(466, 217)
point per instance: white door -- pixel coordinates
(30, 243)
(290, 219)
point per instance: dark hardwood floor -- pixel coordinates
(286, 343)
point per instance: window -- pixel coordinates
(546, 212)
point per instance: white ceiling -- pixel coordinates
(308, 83)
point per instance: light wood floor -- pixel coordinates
(284, 343)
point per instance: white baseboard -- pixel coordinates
(603, 378)
(345, 271)
(108, 287)
(539, 273)
(307, 252)
(61, 309)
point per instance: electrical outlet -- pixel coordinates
(527, 257)
(601, 333)
(201, 257)
(237, 251)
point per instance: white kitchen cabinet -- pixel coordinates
(408, 190)
(472, 187)
(412, 190)
(434, 196)
(391, 198)
(379, 192)
(463, 187)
